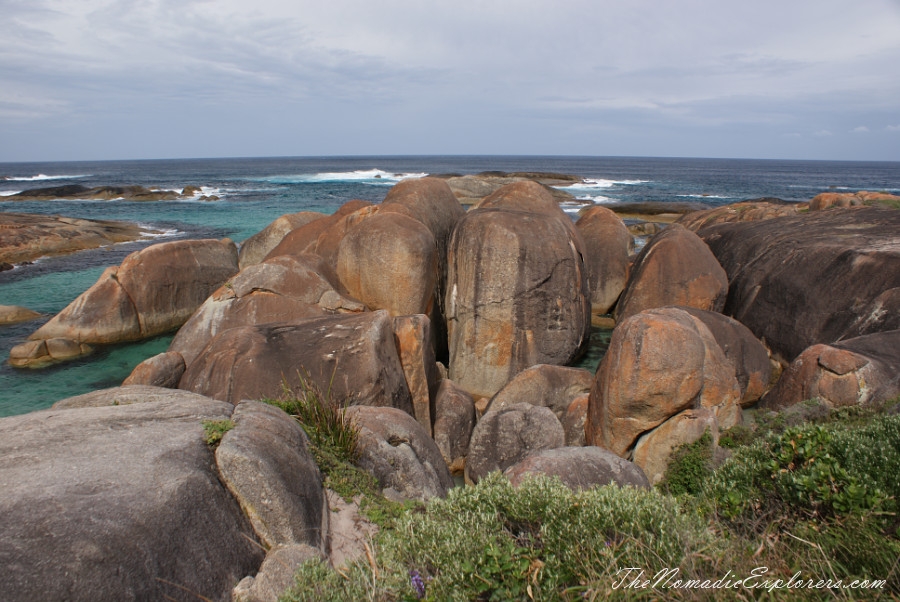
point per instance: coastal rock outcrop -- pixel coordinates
(505, 437)
(641, 382)
(607, 247)
(454, 411)
(415, 344)
(653, 450)
(305, 239)
(104, 193)
(351, 357)
(815, 277)
(397, 451)
(280, 289)
(390, 261)
(161, 370)
(554, 387)
(27, 237)
(265, 463)
(675, 268)
(746, 211)
(13, 314)
(579, 468)
(119, 502)
(470, 189)
(843, 200)
(516, 290)
(254, 249)
(858, 371)
(153, 291)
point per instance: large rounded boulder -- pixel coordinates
(280, 289)
(516, 290)
(579, 468)
(154, 290)
(675, 268)
(254, 249)
(815, 277)
(390, 261)
(607, 246)
(350, 357)
(659, 363)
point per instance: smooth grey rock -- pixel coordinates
(579, 468)
(276, 575)
(504, 437)
(265, 463)
(118, 503)
(397, 451)
(127, 395)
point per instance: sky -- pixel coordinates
(143, 79)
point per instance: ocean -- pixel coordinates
(254, 191)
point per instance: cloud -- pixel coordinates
(822, 134)
(859, 130)
(893, 128)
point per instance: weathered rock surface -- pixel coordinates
(579, 468)
(453, 424)
(119, 503)
(276, 575)
(675, 268)
(505, 437)
(653, 450)
(254, 249)
(161, 370)
(353, 356)
(517, 289)
(856, 371)
(102, 193)
(575, 419)
(37, 354)
(280, 289)
(26, 237)
(154, 291)
(305, 239)
(746, 354)
(127, 395)
(397, 451)
(390, 261)
(472, 188)
(826, 200)
(266, 464)
(607, 246)
(816, 277)
(415, 344)
(659, 363)
(554, 387)
(13, 314)
(746, 211)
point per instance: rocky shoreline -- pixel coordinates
(450, 334)
(26, 237)
(107, 193)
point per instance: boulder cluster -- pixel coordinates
(449, 336)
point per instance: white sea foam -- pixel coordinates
(595, 183)
(10, 192)
(364, 176)
(596, 199)
(705, 196)
(145, 234)
(41, 177)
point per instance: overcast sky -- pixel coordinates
(123, 79)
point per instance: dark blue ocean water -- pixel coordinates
(255, 191)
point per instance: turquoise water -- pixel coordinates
(255, 191)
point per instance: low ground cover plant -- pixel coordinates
(815, 499)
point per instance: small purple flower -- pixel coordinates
(415, 579)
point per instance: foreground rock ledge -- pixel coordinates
(120, 502)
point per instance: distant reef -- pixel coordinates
(25, 237)
(107, 193)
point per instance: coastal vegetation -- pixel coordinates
(800, 505)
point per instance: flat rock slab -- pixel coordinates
(26, 236)
(118, 503)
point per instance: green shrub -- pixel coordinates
(689, 467)
(214, 430)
